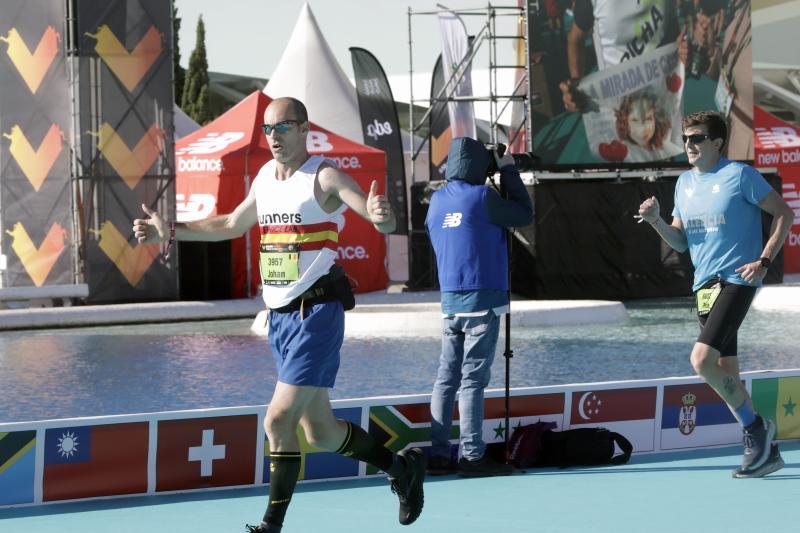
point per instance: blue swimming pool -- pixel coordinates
(172, 366)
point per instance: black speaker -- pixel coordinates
(205, 270)
(423, 275)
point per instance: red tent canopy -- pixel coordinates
(217, 164)
(778, 145)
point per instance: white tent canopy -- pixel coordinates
(308, 71)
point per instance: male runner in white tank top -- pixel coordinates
(297, 200)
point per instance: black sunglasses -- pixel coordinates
(695, 138)
(280, 127)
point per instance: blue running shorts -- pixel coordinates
(307, 352)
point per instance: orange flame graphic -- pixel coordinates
(131, 67)
(32, 66)
(38, 261)
(35, 164)
(131, 165)
(134, 261)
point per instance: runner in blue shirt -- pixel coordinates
(717, 217)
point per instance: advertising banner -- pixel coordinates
(633, 110)
(36, 237)
(125, 150)
(778, 145)
(217, 163)
(381, 128)
(455, 49)
(441, 132)
(704, 56)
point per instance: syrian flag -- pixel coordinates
(629, 412)
(525, 410)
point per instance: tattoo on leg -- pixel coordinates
(729, 384)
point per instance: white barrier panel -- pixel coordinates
(157, 453)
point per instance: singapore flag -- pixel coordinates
(629, 412)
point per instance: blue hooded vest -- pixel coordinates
(471, 251)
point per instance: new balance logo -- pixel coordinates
(452, 220)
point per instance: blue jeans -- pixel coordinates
(468, 346)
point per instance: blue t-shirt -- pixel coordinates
(721, 219)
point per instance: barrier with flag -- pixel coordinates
(158, 453)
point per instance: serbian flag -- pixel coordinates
(206, 452)
(89, 461)
(629, 412)
(693, 416)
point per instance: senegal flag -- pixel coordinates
(779, 399)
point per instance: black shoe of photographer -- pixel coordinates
(483, 467)
(439, 465)
(773, 463)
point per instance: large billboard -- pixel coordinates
(35, 213)
(613, 78)
(126, 148)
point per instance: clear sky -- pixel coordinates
(247, 37)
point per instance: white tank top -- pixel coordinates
(299, 240)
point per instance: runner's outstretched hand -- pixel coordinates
(150, 230)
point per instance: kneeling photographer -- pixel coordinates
(467, 222)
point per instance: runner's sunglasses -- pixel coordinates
(280, 127)
(696, 138)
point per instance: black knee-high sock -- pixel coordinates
(284, 469)
(358, 444)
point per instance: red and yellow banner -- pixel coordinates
(32, 66)
(35, 163)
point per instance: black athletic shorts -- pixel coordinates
(720, 326)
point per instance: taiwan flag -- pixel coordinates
(629, 412)
(694, 415)
(206, 452)
(90, 461)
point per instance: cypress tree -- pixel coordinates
(179, 73)
(195, 100)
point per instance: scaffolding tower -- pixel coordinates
(498, 103)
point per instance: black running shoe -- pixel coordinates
(773, 463)
(408, 486)
(757, 441)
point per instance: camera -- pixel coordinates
(524, 162)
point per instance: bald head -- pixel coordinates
(291, 108)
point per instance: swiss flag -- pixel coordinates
(206, 452)
(630, 412)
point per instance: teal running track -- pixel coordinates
(670, 493)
